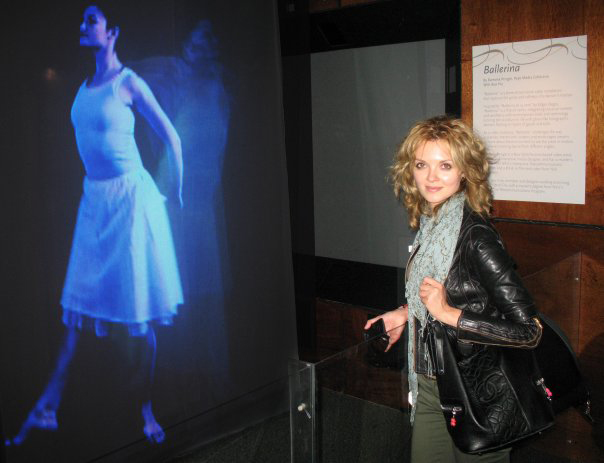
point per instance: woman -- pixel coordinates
(459, 272)
(122, 269)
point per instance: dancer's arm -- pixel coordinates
(138, 92)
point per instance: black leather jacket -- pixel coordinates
(482, 282)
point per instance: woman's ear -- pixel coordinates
(114, 32)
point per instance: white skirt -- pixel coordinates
(122, 267)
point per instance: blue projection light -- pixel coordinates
(123, 268)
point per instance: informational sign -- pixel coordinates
(530, 102)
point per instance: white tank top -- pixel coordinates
(104, 129)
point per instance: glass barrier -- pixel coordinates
(302, 408)
(351, 406)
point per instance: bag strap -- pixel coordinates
(435, 339)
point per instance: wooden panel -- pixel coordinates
(592, 312)
(556, 283)
(591, 336)
(535, 247)
(324, 5)
(546, 256)
(340, 327)
(573, 437)
(315, 6)
(357, 2)
(498, 21)
(594, 28)
(591, 342)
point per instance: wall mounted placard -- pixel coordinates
(530, 108)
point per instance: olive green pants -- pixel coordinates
(431, 442)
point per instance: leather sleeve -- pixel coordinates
(519, 326)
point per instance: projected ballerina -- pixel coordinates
(122, 268)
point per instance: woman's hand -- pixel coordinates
(177, 193)
(394, 323)
(434, 296)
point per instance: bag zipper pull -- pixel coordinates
(546, 391)
(453, 419)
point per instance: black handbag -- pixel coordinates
(561, 371)
(492, 398)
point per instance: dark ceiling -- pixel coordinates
(379, 23)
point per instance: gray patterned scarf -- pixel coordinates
(436, 240)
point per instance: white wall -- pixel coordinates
(363, 102)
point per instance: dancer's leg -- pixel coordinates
(152, 428)
(43, 415)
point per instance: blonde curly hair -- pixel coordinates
(468, 153)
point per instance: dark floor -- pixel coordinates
(350, 431)
(267, 442)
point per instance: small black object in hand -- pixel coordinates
(377, 336)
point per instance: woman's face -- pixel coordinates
(93, 30)
(436, 176)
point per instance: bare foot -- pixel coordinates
(41, 418)
(152, 429)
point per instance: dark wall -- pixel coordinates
(303, 32)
